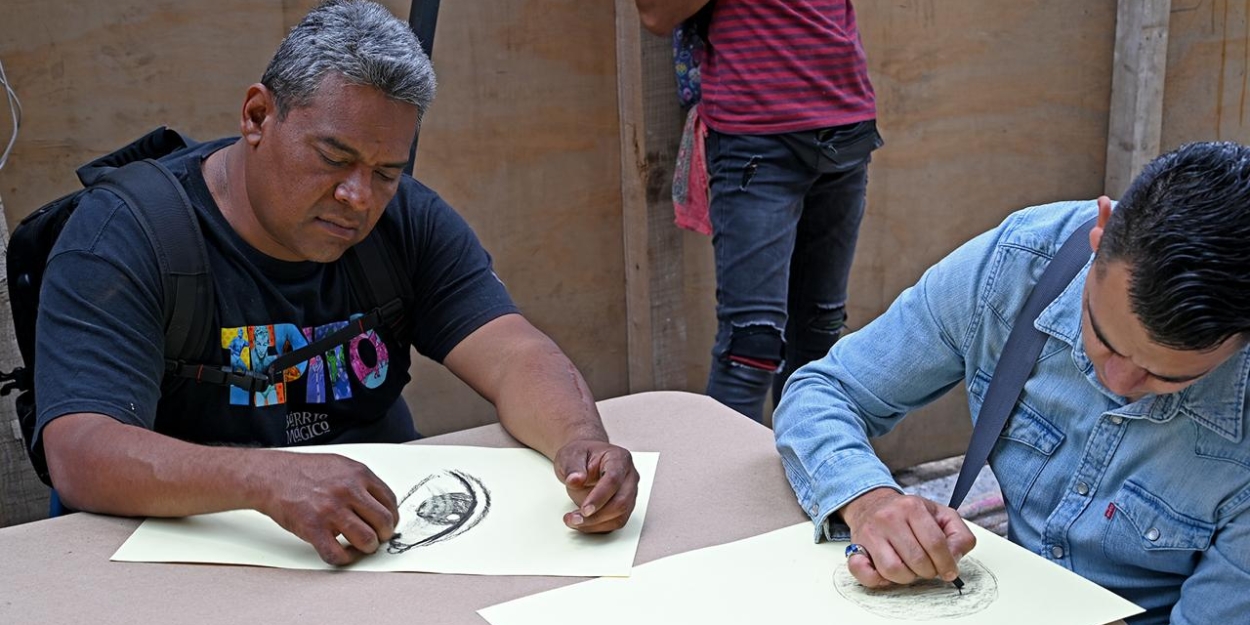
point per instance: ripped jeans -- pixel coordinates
(785, 213)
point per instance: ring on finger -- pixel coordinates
(856, 549)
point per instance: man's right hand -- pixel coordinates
(101, 465)
(318, 497)
(907, 538)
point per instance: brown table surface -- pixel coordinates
(719, 479)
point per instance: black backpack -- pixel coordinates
(162, 208)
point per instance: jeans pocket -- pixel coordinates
(1145, 532)
(844, 148)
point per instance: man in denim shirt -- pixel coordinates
(1127, 457)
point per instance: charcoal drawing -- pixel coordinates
(926, 600)
(440, 507)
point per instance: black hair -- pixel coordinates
(1183, 229)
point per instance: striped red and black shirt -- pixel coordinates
(783, 66)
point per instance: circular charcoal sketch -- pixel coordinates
(439, 507)
(925, 600)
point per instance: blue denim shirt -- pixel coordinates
(1147, 498)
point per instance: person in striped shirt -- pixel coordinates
(791, 118)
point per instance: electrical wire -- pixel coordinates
(15, 114)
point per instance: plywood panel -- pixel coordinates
(91, 77)
(1010, 113)
(986, 107)
(1205, 93)
(94, 75)
(523, 139)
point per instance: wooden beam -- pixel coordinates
(650, 129)
(1136, 124)
(633, 196)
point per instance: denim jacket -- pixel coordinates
(1146, 498)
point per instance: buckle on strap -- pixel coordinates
(392, 314)
(250, 381)
(16, 380)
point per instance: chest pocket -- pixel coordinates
(1025, 446)
(1148, 533)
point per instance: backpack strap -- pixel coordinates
(380, 284)
(423, 20)
(162, 208)
(1019, 356)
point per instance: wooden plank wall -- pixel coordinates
(1035, 86)
(985, 106)
(1205, 93)
(92, 76)
(523, 139)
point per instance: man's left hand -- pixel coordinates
(601, 479)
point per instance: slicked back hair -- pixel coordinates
(359, 41)
(1183, 230)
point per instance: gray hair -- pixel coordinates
(358, 40)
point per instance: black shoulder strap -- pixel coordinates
(382, 284)
(162, 208)
(1019, 356)
(423, 20)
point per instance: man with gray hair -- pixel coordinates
(318, 167)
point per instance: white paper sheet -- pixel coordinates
(782, 577)
(522, 533)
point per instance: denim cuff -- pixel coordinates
(838, 481)
(833, 529)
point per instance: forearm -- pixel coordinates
(824, 445)
(662, 16)
(541, 398)
(100, 465)
(544, 401)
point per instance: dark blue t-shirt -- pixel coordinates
(100, 330)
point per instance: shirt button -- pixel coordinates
(1152, 534)
(1082, 489)
(815, 510)
(1117, 419)
(1056, 551)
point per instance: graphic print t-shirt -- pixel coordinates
(101, 327)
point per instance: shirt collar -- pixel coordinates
(1217, 401)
